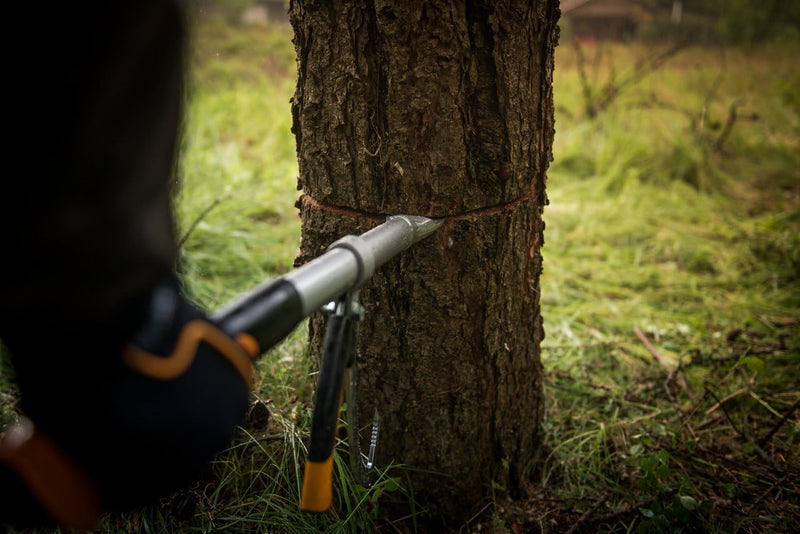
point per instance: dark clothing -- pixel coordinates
(89, 243)
(95, 118)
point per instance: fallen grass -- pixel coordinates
(689, 423)
(671, 296)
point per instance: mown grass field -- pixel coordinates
(671, 296)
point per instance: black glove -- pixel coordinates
(144, 421)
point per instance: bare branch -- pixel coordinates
(199, 218)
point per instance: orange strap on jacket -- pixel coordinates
(239, 353)
(62, 489)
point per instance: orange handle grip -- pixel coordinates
(317, 493)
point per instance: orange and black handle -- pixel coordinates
(337, 355)
(266, 315)
(262, 317)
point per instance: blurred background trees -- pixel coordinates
(714, 22)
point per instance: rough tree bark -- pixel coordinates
(440, 108)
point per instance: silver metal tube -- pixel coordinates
(397, 234)
(273, 309)
(324, 278)
(352, 260)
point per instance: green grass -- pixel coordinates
(238, 164)
(650, 225)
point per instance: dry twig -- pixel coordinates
(646, 342)
(199, 218)
(585, 516)
(764, 440)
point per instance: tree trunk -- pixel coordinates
(440, 108)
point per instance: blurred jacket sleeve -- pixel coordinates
(95, 115)
(96, 96)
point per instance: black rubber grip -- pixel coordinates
(338, 341)
(269, 314)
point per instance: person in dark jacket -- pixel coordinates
(90, 307)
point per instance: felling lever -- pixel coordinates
(265, 315)
(171, 357)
